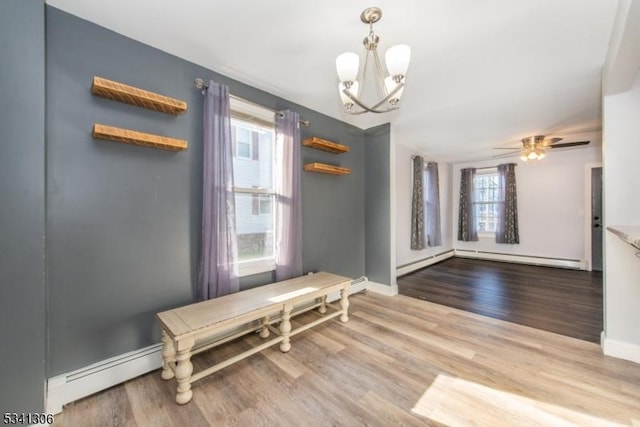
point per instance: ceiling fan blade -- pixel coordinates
(550, 141)
(569, 144)
(497, 156)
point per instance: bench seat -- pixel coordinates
(197, 327)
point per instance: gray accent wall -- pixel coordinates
(378, 204)
(22, 210)
(123, 222)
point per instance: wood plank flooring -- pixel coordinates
(566, 302)
(398, 361)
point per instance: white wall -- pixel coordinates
(551, 205)
(621, 127)
(622, 207)
(403, 188)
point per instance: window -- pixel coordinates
(261, 205)
(253, 133)
(486, 200)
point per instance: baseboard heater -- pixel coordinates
(69, 387)
(425, 262)
(575, 264)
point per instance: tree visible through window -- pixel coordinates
(486, 201)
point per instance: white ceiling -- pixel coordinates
(483, 74)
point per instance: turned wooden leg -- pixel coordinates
(264, 332)
(184, 369)
(285, 328)
(168, 356)
(344, 304)
(323, 305)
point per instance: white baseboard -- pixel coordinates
(75, 385)
(620, 349)
(417, 265)
(380, 288)
(522, 259)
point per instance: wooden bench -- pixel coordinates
(201, 326)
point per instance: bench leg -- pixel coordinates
(323, 304)
(264, 332)
(285, 328)
(344, 304)
(168, 356)
(184, 369)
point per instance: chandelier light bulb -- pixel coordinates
(347, 65)
(397, 58)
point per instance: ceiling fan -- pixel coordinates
(533, 147)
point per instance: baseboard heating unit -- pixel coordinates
(417, 265)
(575, 264)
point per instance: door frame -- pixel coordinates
(587, 213)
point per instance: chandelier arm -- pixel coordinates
(376, 60)
(389, 96)
(370, 109)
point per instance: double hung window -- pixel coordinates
(253, 135)
(486, 200)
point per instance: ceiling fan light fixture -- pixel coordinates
(391, 84)
(532, 155)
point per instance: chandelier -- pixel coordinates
(533, 148)
(391, 85)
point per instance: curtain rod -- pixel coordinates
(200, 84)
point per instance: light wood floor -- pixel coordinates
(398, 361)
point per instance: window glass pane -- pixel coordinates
(254, 232)
(244, 150)
(486, 201)
(265, 204)
(253, 163)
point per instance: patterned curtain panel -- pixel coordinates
(218, 274)
(467, 228)
(507, 225)
(417, 205)
(434, 234)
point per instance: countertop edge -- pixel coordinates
(628, 233)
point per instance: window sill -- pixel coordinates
(486, 235)
(256, 266)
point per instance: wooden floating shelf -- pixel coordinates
(324, 168)
(138, 138)
(138, 97)
(323, 144)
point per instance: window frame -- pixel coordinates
(255, 118)
(485, 171)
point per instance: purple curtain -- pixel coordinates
(288, 196)
(507, 225)
(434, 233)
(218, 274)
